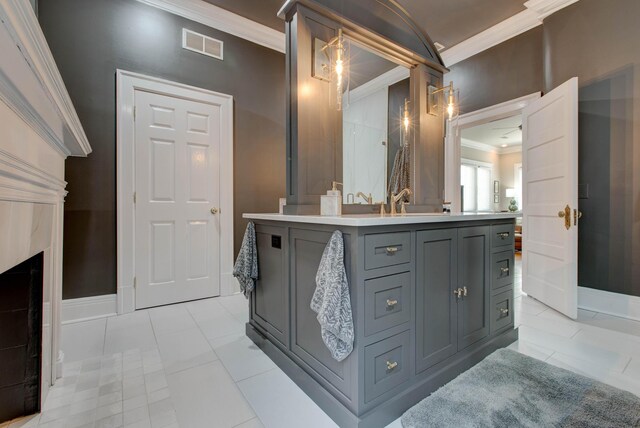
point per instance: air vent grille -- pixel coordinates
(202, 44)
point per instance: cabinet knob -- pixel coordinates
(214, 211)
(392, 250)
(503, 235)
(391, 365)
(464, 291)
(504, 269)
(504, 312)
(391, 303)
(460, 292)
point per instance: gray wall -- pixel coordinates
(89, 41)
(596, 41)
(504, 72)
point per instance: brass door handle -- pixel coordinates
(391, 303)
(576, 215)
(391, 365)
(214, 211)
(566, 215)
(392, 250)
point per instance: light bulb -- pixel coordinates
(405, 122)
(339, 67)
(450, 110)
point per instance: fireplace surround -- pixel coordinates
(39, 129)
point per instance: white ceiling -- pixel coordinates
(499, 134)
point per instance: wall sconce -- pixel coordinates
(339, 73)
(406, 122)
(451, 107)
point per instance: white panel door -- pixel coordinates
(550, 199)
(177, 228)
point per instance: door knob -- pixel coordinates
(214, 211)
(566, 215)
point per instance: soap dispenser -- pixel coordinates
(331, 203)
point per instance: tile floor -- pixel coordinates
(190, 365)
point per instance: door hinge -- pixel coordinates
(135, 282)
(134, 197)
(134, 113)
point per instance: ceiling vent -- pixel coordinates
(202, 44)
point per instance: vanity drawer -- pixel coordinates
(386, 302)
(386, 365)
(502, 235)
(501, 311)
(502, 269)
(386, 249)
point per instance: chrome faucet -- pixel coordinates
(368, 199)
(395, 198)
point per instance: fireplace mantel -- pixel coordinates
(39, 129)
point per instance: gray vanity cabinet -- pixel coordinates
(412, 332)
(436, 305)
(272, 290)
(447, 321)
(474, 278)
(306, 248)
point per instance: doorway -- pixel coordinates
(484, 165)
(549, 182)
(175, 187)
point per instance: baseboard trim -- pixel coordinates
(228, 284)
(606, 302)
(88, 308)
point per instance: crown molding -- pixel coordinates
(223, 20)
(464, 142)
(31, 83)
(383, 81)
(531, 17)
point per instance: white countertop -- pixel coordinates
(377, 220)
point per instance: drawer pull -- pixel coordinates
(504, 312)
(391, 365)
(464, 291)
(392, 250)
(391, 303)
(504, 270)
(503, 235)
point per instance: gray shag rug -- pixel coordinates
(508, 389)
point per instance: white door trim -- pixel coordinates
(453, 141)
(127, 84)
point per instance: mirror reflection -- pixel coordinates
(374, 109)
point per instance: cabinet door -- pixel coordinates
(473, 273)
(306, 248)
(271, 297)
(436, 319)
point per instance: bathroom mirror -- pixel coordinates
(373, 104)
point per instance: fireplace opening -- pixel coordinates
(21, 338)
